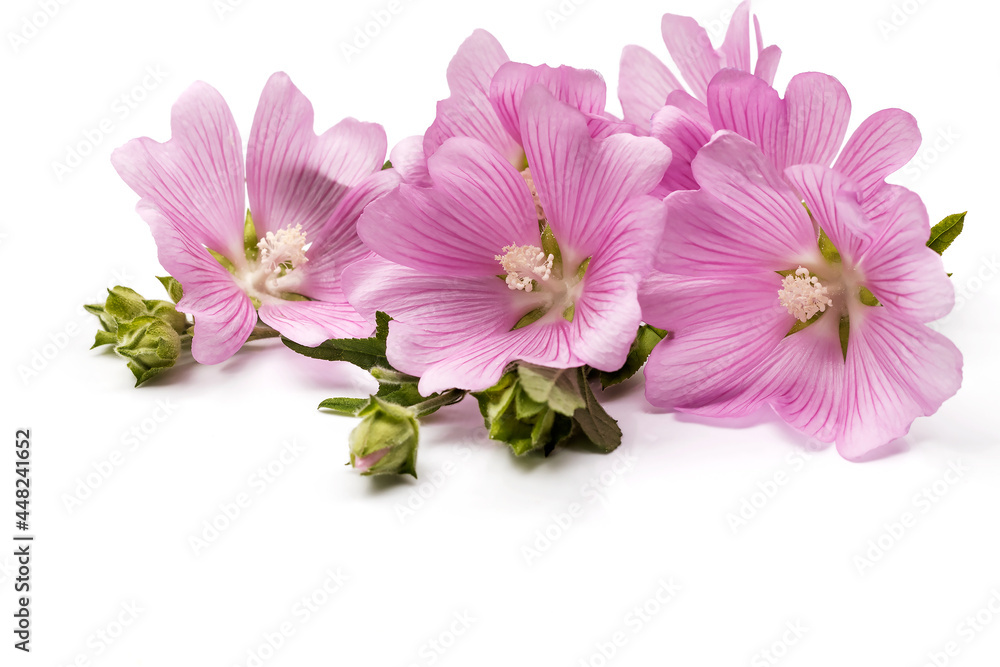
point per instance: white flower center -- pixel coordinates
(525, 264)
(803, 295)
(284, 251)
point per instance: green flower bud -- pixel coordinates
(385, 442)
(150, 345)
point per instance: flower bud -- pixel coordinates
(385, 442)
(150, 344)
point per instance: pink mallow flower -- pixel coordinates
(466, 275)
(807, 126)
(486, 92)
(306, 193)
(645, 84)
(760, 315)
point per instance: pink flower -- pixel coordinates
(806, 127)
(470, 282)
(486, 92)
(306, 193)
(645, 83)
(732, 314)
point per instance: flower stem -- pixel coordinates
(262, 331)
(439, 401)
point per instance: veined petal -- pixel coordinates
(692, 52)
(735, 49)
(748, 106)
(583, 183)
(295, 177)
(579, 88)
(457, 227)
(196, 178)
(409, 161)
(897, 370)
(468, 112)
(721, 330)
(883, 143)
(767, 64)
(223, 313)
(684, 136)
(905, 275)
(312, 322)
(643, 85)
(757, 220)
(802, 380)
(835, 204)
(818, 110)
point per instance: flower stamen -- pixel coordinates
(525, 264)
(803, 295)
(284, 250)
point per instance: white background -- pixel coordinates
(661, 511)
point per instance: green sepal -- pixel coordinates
(569, 312)
(150, 345)
(830, 252)
(867, 298)
(945, 232)
(387, 165)
(104, 338)
(533, 408)
(390, 429)
(223, 260)
(557, 387)
(581, 270)
(124, 304)
(600, 428)
(174, 289)
(800, 325)
(250, 239)
(108, 322)
(845, 332)
(551, 247)
(645, 340)
(349, 407)
(529, 318)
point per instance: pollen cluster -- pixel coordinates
(803, 295)
(525, 264)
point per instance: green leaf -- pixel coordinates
(173, 287)
(349, 407)
(559, 388)
(599, 427)
(645, 340)
(366, 353)
(945, 232)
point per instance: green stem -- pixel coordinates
(391, 376)
(262, 331)
(439, 401)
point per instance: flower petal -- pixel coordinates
(757, 222)
(295, 177)
(735, 49)
(897, 370)
(312, 322)
(684, 136)
(692, 52)
(643, 85)
(579, 88)
(196, 178)
(721, 330)
(583, 183)
(883, 143)
(409, 161)
(468, 112)
(905, 275)
(818, 110)
(478, 205)
(223, 313)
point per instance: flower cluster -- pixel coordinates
(531, 243)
